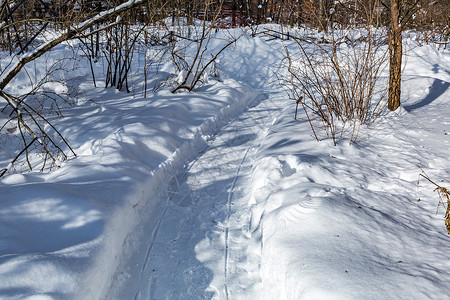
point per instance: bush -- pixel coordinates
(336, 77)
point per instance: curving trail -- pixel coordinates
(202, 246)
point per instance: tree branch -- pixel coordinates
(72, 32)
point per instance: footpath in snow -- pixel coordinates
(65, 233)
(201, 246)
(266, 212)
(221, 194)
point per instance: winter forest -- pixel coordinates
(224, 149)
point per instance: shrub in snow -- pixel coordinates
(336, 78)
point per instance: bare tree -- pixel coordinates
(401, 15)
(395, 55)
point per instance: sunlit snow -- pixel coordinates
(220, 193)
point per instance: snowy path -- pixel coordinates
(202, 247)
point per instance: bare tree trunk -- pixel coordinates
(322, 16)
(395, 53)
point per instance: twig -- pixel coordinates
(15, 158)
(443, 193)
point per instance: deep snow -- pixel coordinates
(220, 193)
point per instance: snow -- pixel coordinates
(220, 193)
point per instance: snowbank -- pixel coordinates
(63, 232)
(327, 222)
(352, 222)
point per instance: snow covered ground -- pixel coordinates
(220, 193)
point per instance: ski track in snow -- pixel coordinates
(199, 248)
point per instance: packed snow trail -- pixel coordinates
(202, 247)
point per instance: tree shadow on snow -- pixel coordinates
(437, 89)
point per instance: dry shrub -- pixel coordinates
(337, 79)
(34, 131)
(193, 69)
(444, 199)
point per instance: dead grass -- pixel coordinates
(444, 199)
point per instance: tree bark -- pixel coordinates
(395, 54)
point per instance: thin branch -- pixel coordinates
(17, 157)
